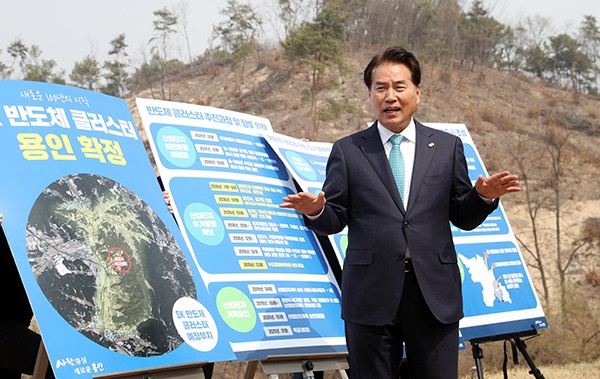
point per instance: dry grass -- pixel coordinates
(569, 371)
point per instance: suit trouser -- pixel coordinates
(18, 350)
(375, 352)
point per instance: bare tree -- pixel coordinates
(557, 141)
(288, 15)
(181, 11)
(535, 201)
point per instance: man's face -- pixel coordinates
(393, 96)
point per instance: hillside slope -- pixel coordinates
(494, 105)
(506, 113)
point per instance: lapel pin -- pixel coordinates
(431, 144)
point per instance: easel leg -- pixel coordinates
(251, 369)
(477, 356)
(41, 363)
(523, 349)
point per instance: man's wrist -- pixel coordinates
(316, 215)
(487, 200)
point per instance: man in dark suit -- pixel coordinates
(400, 282)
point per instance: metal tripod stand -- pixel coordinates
(515, 339)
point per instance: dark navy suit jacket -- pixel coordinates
(361, 193)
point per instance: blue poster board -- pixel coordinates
(498, 293)
(307, 161)
(104, 265)
(264, 269)
(499, 297)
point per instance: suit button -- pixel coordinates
(406, 224)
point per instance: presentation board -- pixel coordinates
(499, 297)
(306, 161)
(226, 184)
(106, 270)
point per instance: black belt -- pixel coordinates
(408, 265)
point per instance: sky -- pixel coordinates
(68, 30)
(566, 15)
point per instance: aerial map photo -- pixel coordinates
(108, 264)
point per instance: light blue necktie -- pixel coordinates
(397, 163)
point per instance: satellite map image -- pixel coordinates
(108, 264)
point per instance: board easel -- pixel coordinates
(516, 341)
(41, 363)
(306, 364)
